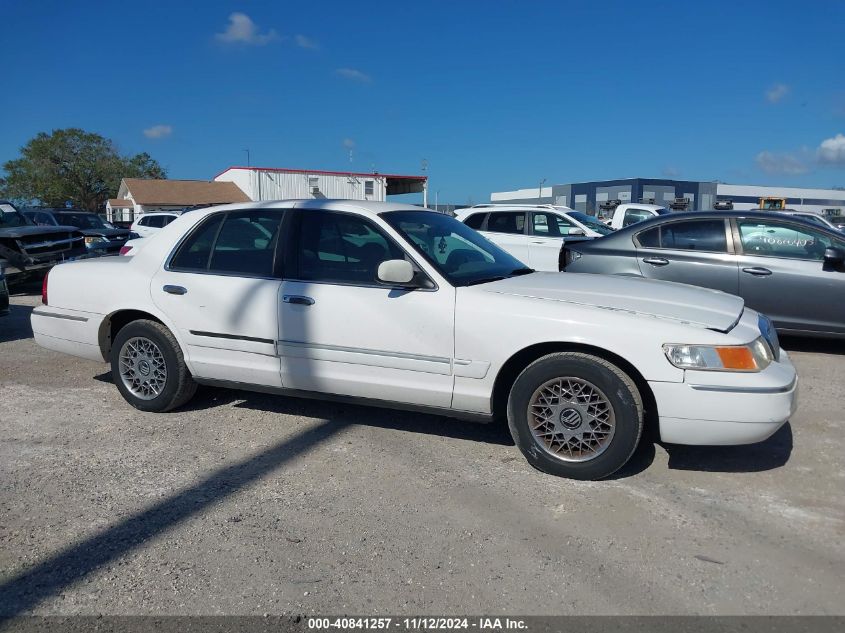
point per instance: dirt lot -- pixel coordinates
(251, 504)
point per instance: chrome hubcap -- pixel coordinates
(571, 419)
(142, 368)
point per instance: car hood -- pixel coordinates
(699, 307)
(109, 233)
(25, 231)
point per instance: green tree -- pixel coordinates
(75, 165)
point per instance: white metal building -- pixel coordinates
(273, 183)
(825, 201)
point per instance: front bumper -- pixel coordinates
(735, 409)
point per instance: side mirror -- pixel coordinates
(396, 271)
(577, 232)
(834, 256)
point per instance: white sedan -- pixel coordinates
(384, 304)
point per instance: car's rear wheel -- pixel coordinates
(575, 415)
(149, 369)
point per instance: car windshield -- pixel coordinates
(81, 220)
(590, 222)
(458, 252)
(10, 217)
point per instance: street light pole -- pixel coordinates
(247, 156)
(540, 192)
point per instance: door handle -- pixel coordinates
(757, 271)
(656, 261)
(298, 300)
(537, 242)
(175, 290)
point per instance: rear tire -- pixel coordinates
(575, 415)
(149, 369)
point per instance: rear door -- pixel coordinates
(509, 229)
(782, 274)
(697, 252)
(220, 289)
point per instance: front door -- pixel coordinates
(782, 275)
(221, 290)
(695, 252)
(342, 332)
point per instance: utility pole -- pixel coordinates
(540, 191)
(247, 156)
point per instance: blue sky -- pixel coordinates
(495, 95)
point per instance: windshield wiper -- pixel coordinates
(514, 273)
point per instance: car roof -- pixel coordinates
(492, 208)
(367, 208)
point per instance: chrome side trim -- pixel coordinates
(364, 350)
(233, 337)
(363, 356)
(67, 317)
(722, 389)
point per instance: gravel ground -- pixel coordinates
(251, 504)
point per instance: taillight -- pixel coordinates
(44, 289)
(125, 250)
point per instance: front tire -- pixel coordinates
(575, 415)
(149, 369)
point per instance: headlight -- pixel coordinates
(755, 356)
(94, 239)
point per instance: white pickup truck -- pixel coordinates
(630, 213)
(402, 307)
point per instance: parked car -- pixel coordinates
(26, 249)
(4, 293)
(101, 238)
(402, 307)
(788, 268)
(814, 218)
(532, 234)
(838, 221)
(630, 213)
(150, 223)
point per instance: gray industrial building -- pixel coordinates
(589, 197)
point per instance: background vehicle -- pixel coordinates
(4, 293)
(411, 308)
(783, 266)
(773, 204)
(630, 213)
(838, 221)
(27, 249)
(101, 238)
(532, 234)
(814, 218)
(150, 223)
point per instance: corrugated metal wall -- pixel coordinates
(274, 185)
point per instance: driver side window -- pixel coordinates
(776, 239)
(341, 248)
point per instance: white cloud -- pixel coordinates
(354, 75)
(776, 93)
(349, 143)
(832, 151)
(242, 30)
(158, 131)
(306, 42)
(775, 163)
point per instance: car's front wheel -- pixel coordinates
(575, 415)
(149, 369)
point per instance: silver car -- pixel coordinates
(785, 267)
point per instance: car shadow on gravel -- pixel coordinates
(52, 576)
(385, 418)
(15, 326)
(768, 455)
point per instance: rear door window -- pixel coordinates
(246, 243)
(691, 235)
(507, 222)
